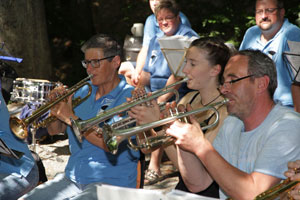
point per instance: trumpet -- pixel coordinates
(113, 137)
(19, 127)
(281, 188)
(80, 126)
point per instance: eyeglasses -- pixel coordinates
(229, 83)
(95, 63)
(268, 11)
(167, 19)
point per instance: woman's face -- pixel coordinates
(198, 69)
(168, 22)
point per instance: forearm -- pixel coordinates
(141, 59)
(96, 139)
(296, 96)
(236, 183)
(166, 97)
(192, 171)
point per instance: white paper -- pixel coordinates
(293, 56)
(174, 50)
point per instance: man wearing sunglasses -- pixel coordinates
(270, 35)
(89, 162)
(257, 139)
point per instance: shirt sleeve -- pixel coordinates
(149, 30)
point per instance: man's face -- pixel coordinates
(167, 21)
(240, 93)
(153, 4)
(104, 71)
(268, 16)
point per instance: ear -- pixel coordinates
(263, 83)
(215, 71)
(116, 62)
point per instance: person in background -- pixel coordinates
(151, 29)
(90, 162)
(156, 73)
(17, 175)
(256, 140)
(205, 62)
(270, 35)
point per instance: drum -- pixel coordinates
(31, 90)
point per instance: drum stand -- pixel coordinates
(33, 142)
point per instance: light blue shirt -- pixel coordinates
(152, 28)
(267, 148)
(157, 65)
(18, 167)
(89, 163)
(275, 48)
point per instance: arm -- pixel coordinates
(296, 96)
(140, 62)
(236, 183)
(93, 136)
(166, 97)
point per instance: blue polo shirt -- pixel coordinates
(18, 167)
(89, 163)
(274, 49)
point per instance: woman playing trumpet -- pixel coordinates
(205, 62)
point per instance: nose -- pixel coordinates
(185, 69)
(224, 89)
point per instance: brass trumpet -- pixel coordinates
(80, 126)
(19, 127)
(279, 189)
(113, 137)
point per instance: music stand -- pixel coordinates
(293, 58)
(174, 50)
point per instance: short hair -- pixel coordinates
(280, 3)
(109, 45)
(259, 64)
(167, 4)
(217, 52)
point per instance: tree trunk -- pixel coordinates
(23, 29)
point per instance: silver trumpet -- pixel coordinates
(80, 126)
(113, 137)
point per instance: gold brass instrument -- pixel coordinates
(80, 126)
(277, 190)
(19, 127)
(113, 137)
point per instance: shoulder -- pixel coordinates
(186, 31)
(291, 31)
(184, 19)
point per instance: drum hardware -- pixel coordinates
(19, 127)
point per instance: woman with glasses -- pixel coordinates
(89, 162)
(205, 62)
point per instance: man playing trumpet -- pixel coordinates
(250, 152)
(89, 163)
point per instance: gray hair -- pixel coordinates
(109, 46)
(259, 64)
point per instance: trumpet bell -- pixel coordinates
(18, 127)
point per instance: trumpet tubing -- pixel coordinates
(80, 126)
(19, 127)
(277, 190)
(113, 137)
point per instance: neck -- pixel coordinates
(107, 87)
(268, 35)
(258, 113)
(209, 95)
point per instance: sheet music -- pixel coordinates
(6, 151)
(293, 57)
(174, 50)
(119, 193)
